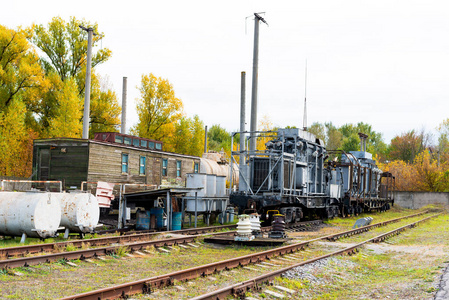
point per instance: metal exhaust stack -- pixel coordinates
(123, 127)
(363, 138)
(242, 117)
(205, 139)
(253, 124)
(243, 173)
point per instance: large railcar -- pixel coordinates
(292, 176)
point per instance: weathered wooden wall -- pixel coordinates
(105, 164)
(76, 160)
(67, 161)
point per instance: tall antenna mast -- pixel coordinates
(304, 123)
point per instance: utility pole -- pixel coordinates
(86, 117)
(253, 124)
(304, 121)
(123, 125)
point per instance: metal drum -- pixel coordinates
(221, 186)
(211, 185)
(196, 180)
(80, 211)
(35, 214)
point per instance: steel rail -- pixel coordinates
(241, 288)
(103, 241)
(102, 251)
(336, 236)
(127, 238)
(149, 284)
(127, 231)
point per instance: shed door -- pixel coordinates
(44, 164)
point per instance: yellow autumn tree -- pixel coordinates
(158, 108)
(424, 174)
(265, 124)
(64, 47)
(66, 121)
(104, 107)
(21, 83)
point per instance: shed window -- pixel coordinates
(142, 165)
(151, 145)
(128, 141)
(164, 167)
(158, 146)
(178, 168)
(143, 143)
(124, 163)
(196, 168)
(119, 139)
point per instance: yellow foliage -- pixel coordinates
(21, 83)
(67, 120)
(158, 108)
(423, 174)
(15, 141)
(265, 124)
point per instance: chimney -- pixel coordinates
(123, 127)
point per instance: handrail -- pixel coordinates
(32, 181)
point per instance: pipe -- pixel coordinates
(123, 126)
(242, 118)
(205, 139)
(86, 117)
(253, 124)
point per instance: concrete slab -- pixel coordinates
(251, 269)
(274, 294)
(284, 289)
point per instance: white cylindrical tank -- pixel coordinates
(221, 186)
(196, 180)
(36, 214)
(211, 185)
(80, 212)
(209, 166)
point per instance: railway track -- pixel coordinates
(148, 285)
(129, 238)
(103, 241)
(255, 284)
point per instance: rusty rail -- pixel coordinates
(95, 252)
(103, 241)
(149, 284)
(369, 227)
(127, 237)
(240, 289)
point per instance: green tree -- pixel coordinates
(407, 146)
(158, 108)
(334, 137)
(351, 140)
(64, 45)
(318, 130)
(218, 138)
(443, 142)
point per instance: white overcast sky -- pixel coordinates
(385, 63)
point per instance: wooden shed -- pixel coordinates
(110, 157)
